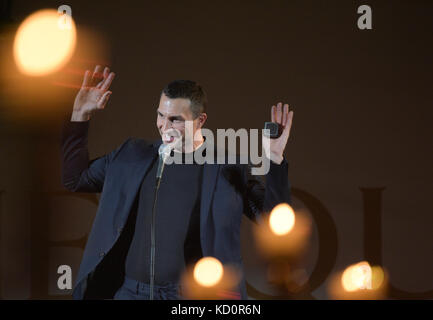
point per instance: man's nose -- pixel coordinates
(166, 124)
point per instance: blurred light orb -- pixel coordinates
(42, 45)
(377, 277)
(357, 277)
(282, 219)
(208, 271)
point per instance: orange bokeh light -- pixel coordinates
(42, 45)
(282, 219)
(208, 271)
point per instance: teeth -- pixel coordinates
(168, 137)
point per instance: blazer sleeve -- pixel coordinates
(262, 196)
(79, 174)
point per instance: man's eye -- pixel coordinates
(177, 121)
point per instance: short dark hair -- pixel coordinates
(189, 90)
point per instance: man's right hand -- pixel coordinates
(93, 94)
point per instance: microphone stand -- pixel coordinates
(161, 162)
(152, 238)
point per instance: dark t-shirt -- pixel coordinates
(177, 224)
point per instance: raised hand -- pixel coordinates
(93, 94)
(283, 117)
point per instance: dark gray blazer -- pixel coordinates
(228, 190)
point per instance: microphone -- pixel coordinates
(275, 129)
(164, 152)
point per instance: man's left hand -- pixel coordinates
(281, 115)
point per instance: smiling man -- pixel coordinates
(199, 206)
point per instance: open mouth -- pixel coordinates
(168, 138)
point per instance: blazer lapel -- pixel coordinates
(210, 174)
(145, 158)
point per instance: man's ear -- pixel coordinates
(202, 119)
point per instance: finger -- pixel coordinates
(107, 82)
(103, 100)
(285, 114)
(96, 75)
(105, 75)
(273, 113)
(286, 131)
(86, 79)
(279, 105)
(106, 72)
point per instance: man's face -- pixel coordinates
(172, 115)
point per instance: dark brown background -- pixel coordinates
(362, 101)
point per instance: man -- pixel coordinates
(199, 206)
